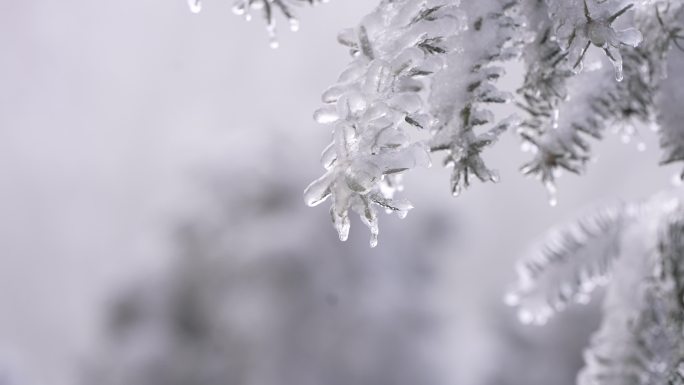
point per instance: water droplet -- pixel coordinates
(294, 25)
(525, 316)
(195, 5)
(526, 146)
(582, 298)
(512, 299)
(239, 9)
(587, 286)
(555, 118)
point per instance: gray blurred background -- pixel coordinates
(152, 229)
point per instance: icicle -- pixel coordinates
(341, 223)
(374, 239)
(456, 188)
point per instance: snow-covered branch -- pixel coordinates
(637, 250)
(463, 91)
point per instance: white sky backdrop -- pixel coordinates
(105, 106)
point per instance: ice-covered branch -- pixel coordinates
(426, 77)
(377, 98)
(564, 110)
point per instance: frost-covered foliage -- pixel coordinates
(268, 9)
(424, 77)
(637, 250)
